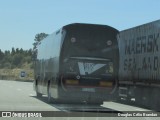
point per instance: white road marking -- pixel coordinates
(122, 107)
(31, 95)
(138, 109)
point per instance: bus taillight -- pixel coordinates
(105, 84)
(72, 82)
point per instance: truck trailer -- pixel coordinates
(139, 65)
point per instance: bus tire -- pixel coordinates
(49, 97)
(37, 93)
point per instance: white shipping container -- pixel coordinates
(139, 51)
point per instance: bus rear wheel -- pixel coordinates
(50, 99)
(37, 93)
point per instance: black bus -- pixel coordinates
(77, 64)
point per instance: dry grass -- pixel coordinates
(15, 74)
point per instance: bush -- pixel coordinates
(7, 65)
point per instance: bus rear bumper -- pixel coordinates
(88, 95)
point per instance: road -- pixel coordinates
(19, 96)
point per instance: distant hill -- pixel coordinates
(14, 61)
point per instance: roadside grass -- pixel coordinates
(15, 74)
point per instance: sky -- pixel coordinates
(21, 20)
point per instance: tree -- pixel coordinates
(7, 52)
(17, 50)
(38, 38)
(17, 60)
(30, 52)
(21, 51)
(1, 55)
(13, 51)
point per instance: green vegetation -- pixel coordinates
(38, 38)
(12, 63)
(17, 60)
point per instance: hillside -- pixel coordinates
(14, 62)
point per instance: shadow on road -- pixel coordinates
(79, 107)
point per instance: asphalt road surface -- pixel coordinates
(20, 96)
